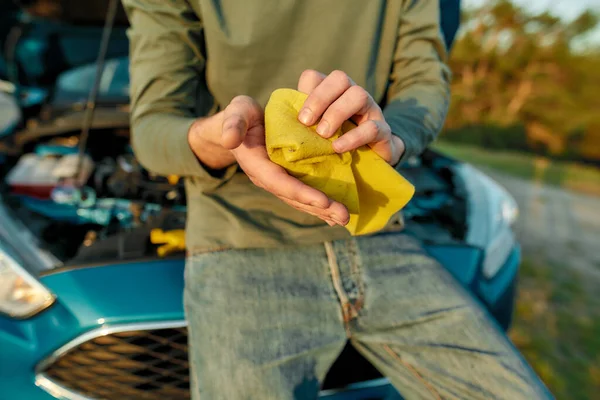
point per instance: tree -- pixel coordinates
(517, 73)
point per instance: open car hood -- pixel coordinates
(76, 12)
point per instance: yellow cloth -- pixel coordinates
(370, 188)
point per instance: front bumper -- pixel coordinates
(88, 299)
(149, 293)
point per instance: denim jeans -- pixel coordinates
(268, 323)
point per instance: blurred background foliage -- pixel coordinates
(520, 84)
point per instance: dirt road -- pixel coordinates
(562, 226)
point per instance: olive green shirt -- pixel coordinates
(189, 58)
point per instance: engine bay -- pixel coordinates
(105, 207)
(101, 206)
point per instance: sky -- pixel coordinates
(567, 9)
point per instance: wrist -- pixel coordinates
(204, 138)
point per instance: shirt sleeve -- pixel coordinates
(418, 93)
(167, 90)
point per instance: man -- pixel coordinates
(272, 292)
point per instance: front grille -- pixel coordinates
(148, 364)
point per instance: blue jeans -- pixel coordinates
(268, 323)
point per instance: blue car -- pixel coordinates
(90, 289)
(90, 310)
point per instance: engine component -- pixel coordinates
(134, 243)
(112, 199)
(126, 179)
(37, 176)
(82, 207)
(32, 176)
(68, 166)
(57, 148)
(171, 241)
(128, 245)
(90, 238)
(70, 195)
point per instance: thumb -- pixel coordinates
(242, 114)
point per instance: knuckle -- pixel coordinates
(353, 141)
(234, 122)
(360, 94)
(244, 107)
(334, 114)
(371, 129)
(341, 77)
(297, 198)
(386, 130)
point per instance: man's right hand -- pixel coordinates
(243, 132)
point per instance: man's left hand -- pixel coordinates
(336, 98)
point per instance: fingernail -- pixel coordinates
(323, 128)
(330, 223)
(338, 145)
(340, 223)
(305, 116)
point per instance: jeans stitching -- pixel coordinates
(348, 310)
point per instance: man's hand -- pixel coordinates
(204, 138)
(243, 131)
(335, 99)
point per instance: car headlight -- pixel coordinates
(492, 211)
(21, 295)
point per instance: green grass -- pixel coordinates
(571, 176)
(557, 328)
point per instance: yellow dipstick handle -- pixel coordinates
(172, 241)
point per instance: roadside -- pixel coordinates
(556, 225)
(557, 319)
(557, 328)
(573, 176)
